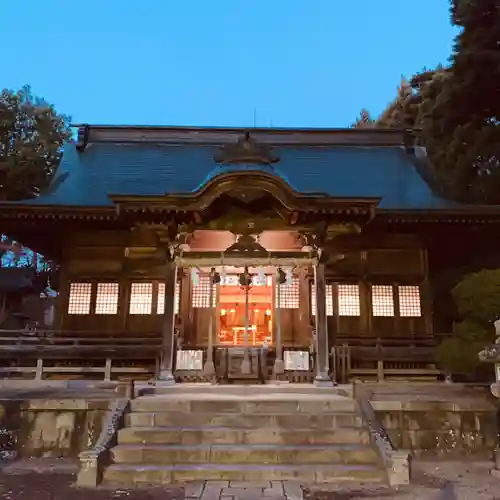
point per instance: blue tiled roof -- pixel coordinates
(104, 168)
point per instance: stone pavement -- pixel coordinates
(431, 481)
(236, 490)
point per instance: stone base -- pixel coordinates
(495, 389)
(399, 468)
(166, 378)
(209, 369)
(495, 473)
(246, 368)
(323, 380)
(279, 367)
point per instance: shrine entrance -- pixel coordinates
(244, 284)
(231, 311)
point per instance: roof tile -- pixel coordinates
(104, 168)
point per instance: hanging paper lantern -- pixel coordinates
(214, 276)
(245, 278)
(280, 276)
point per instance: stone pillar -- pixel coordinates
(322, 363)
(168, 330)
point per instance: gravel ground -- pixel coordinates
(431, 481)
(59, 487)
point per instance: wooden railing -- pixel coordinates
(39, 353)
(108, 355)
(381, 358)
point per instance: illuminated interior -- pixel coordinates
(231, 312)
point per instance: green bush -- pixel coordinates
(477, 298)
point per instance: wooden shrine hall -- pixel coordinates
(236, 255)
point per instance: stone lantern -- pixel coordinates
(491, 354)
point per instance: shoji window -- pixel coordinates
(382, 300)
(201, 293)
(409, 301)
(107, 295)
(257, 280)
(329, 300)
(160, 306)
(290, 295)
(80, 297)
(348, 300)
(141, 298)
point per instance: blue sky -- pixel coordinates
(310, 63)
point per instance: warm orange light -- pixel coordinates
(256, 310)
(268, 312)
(222, 312)
(233, 310)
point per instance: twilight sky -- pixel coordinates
(289, 63)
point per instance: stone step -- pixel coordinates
(137, 474)
(244, 454)
(325, 421)
(278, 406)
(253, 390)
(225, 435)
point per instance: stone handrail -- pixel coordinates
(93, 461)
(396, 462)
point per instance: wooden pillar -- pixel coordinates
(168, 330)
(279, 365)
(426, 296)
(62, 300)
(322, 363)
(303, 337)
(185, 307)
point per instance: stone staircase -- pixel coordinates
(243, 434)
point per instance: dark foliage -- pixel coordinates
(457, 109)
(31, 138)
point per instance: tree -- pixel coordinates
(457, 109)
(364, 120)
(477, 298)
(413, 96)
(461, 126)
(402, 111)
(31, 138)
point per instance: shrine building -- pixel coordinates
(221, 252)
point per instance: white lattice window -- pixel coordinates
(141, 298)
(200, 296)
(257, 280)
(382, 300)
(262, 280)
(106, 300)
(348, 300)
(409, 301)
(290, 295)
(160, 306)
(80, 297)
(229, 280)
(328, 298)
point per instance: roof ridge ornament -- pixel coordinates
(82, 138)
(246, 243)
(245, 150)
